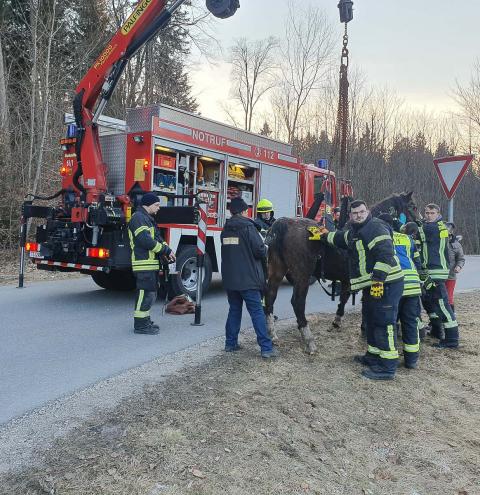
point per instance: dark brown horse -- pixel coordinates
(291, 252)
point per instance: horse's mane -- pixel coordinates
(384, 205)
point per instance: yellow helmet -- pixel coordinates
(264, 206)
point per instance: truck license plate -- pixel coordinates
(34, 254)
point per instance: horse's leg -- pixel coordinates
(299, 297)
(276, 272)
(344, 296)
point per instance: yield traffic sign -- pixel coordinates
(451, 170)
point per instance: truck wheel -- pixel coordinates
(185, 281)
(115, 280)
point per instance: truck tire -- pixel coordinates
(185, 281)
(115, 280)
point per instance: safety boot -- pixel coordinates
(153, 324)
(376, 373)
(436, 330)
(145, 326)
(450, 341)
(411, 362)
(367, 359)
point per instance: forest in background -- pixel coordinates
(286, 89)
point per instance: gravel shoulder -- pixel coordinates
(213, 423)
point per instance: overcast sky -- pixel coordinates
(416, 47)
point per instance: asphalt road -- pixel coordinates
(59, 337)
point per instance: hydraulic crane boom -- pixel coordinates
(148, 17)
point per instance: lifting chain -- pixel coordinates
(341, 130)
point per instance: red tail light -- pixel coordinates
(145, 165)
(63, 171)
(101, 253)
(32, 246)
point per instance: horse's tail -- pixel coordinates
(276, 241)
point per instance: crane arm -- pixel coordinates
(148, 17)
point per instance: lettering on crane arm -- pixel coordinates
(104, 56)
(132, 20)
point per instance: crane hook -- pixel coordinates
(223, 8)
(346, 10)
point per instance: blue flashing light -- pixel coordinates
(71, 131)
(323, 163)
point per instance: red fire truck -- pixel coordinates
(109, 164)
(181, 156)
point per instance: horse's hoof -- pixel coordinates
(311, 349)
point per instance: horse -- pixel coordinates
(290, 251)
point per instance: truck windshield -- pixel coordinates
(317, 183)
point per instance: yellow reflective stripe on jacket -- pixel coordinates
(373, 350)
(362, 258)
(395, 274)
(378, 239)
(360, 282)
(140, 230)
(159, 247)
(443, 260)
(382, 267)
(330, 238)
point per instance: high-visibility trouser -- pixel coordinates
(439, 310)
(381, 317)
(143, 303)
(146, 294)
(409, 318)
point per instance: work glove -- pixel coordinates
(377, 289)
(429, 283)
(317, 233)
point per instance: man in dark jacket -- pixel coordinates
(374, 269)
(243, 277)
(435, 262)
(147, 247)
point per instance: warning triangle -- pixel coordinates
(451, 170)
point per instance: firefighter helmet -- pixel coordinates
(264, 206)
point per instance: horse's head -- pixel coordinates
(400, 206)
(408, 207)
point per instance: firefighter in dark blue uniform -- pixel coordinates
(374, 269)
(434, 237)
(409, 310)
(147, 247)
(265, 216)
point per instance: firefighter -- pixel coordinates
(147, 247)
(434, 237)
(374, 269)
(409, 309)
(265, 216)
(243, 278)
(336, 216)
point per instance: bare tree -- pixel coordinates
(468, 96)
(306, 63)
(4, 114)
(253, 66)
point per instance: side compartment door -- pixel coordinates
(280, 186)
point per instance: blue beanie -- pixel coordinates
(149, 199)
(237, 205)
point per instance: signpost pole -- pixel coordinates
(450, 210)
